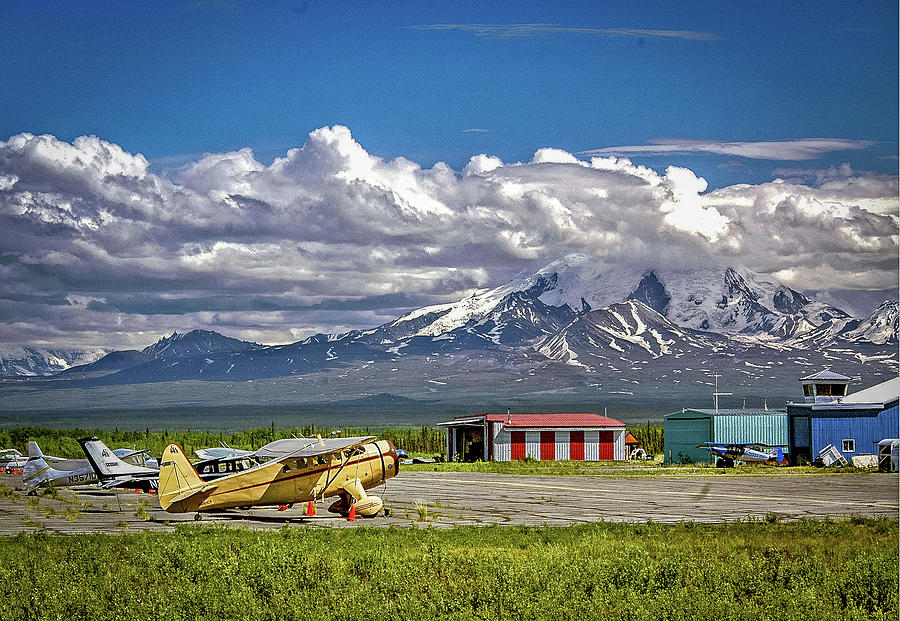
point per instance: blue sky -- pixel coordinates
(173, 80)
(273, 169)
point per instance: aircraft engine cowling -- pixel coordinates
(369, 506)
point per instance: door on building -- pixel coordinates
(605, 452)
(517, 444)
(548, 446)
(576, 445)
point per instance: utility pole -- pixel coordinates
(717, 394)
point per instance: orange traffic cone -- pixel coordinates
(310, 509)
(352, 514)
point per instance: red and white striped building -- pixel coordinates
(507, 437)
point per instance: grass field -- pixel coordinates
(749, 570)
(619, 468)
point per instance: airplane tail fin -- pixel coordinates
(107, 464)
(36, 471)
(34, 450)
(179, 481)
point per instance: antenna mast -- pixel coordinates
(717, 394)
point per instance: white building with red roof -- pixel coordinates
(507, 437)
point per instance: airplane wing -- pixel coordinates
(221, 453)
(295, 448)
(144, 483)
(123, 453)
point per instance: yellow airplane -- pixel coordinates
(291, 470)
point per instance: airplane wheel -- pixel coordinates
(198, 517)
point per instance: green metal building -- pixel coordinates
(683, 431)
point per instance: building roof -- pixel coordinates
(630, 439)
(728, 412)
(885, 392)
(826, 375)
(531, 421)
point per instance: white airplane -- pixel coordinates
(114, 471)
(11, 459)
(44, 470)
(748, 453)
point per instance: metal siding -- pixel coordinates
(605, 449)
(533, 444)
(682, 433)
(591, 446)
(576, 445)
(801, 431)
(771, 429)
(619, 446)
(501, 445)
(562, 445)
(866, 431)
(548, 446)
(517, 440)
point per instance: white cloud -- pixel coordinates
(523, 31)
(792, 150)
(331, 231)
(481, 164)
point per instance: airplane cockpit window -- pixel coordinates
(320, 460)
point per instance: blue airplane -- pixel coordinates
(728, 453)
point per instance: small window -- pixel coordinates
(808, 390)
(848, 446)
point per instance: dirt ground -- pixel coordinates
(446, 499)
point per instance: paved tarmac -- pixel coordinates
(446, 499)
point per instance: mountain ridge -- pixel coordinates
(667, 326)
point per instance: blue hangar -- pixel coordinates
(853, 424)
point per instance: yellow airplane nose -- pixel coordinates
(392, 458)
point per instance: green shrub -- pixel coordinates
(828, 570)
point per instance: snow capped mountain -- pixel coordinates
(507, 315)
(592, 318)
(880, 327)
(725, 300)
(196, 342)
(628, 330)
(737, 301)
(110, 363)
(32, 361)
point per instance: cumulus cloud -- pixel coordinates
(97, 251)
(793, 150)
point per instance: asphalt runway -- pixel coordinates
(449, 499)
